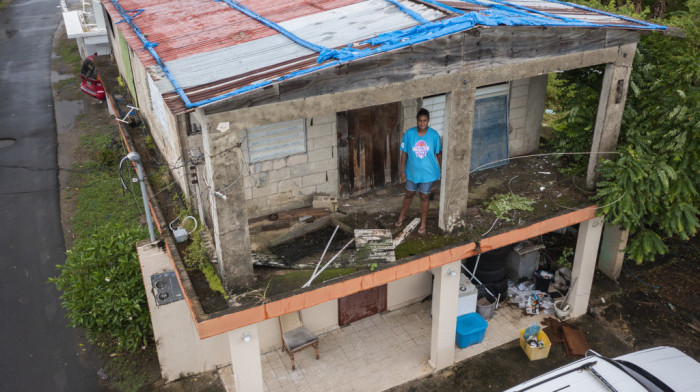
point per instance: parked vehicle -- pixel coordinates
(90, 82)
(659, 369)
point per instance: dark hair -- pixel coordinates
(423, 112)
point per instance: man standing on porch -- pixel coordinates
(421, 161)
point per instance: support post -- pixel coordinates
(456, 157)
(444, 312)
(612, 253)
(584, 265)
(245, 358)
(611, 106)
(223, 162)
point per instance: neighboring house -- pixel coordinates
(273, 103)
(86, 26)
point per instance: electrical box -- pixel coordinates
(166, 288)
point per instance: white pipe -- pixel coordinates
(327, 264)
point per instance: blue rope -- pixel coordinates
(443, 6)
(150, 47)
(245, 10)
(654, 26)
(409, 12)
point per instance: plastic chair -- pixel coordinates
(296, 337)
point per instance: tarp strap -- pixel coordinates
(132, 16)
(246, 11)
(148, 45)
(408, 11)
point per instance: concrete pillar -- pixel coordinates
(224, 172)
(444, 312)
(245, 358)
(584, 265)
(610, 109)
(612, 253)
(457, 150)
(537, 92)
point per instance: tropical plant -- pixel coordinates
(650, 188)
(102, 288)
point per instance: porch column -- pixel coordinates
(584, 265)
(444, 315)
(224, 174)
(611, 106)
(245, 358)
(612, 253)
(457, 148)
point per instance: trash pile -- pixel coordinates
(529, 299)
(534, 297)
(531, 336)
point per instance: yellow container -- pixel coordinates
(535, 353)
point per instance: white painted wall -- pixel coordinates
(318, 319)
(180, 351)
(409, 290)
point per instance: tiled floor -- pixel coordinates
(379, 352)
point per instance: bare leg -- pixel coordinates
(407, 199)
(424, 203)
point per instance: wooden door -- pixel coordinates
(360, 305)
(368, 147)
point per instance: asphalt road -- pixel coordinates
(38, 351)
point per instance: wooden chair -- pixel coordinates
(295, 337)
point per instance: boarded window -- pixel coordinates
(490, 134)
(277, 140)
(436, 107)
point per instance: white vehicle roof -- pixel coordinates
(594, 373)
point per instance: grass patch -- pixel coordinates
(98, 189)
(295, 279)
(71, 56)
(4, 4)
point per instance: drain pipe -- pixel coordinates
(136, 158)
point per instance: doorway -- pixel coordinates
(368, 148)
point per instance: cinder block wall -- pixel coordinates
(292, 181)
(526, 109)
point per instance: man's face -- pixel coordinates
(422, 122)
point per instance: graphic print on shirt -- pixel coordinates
(421, 149)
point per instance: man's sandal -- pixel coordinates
(422, 230)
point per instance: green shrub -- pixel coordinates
(503, 203)
(102, 288)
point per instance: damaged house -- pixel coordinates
(269, 104)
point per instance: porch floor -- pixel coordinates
(377, 353)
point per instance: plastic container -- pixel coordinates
(559, 309)
(485, 306)
(541, 284)
(471, 329)
(535, 353)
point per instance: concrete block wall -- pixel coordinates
(517, 115)
(292, 181)
(525, 118)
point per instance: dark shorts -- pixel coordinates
(422, 187)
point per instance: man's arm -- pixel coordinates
(439, 159)
(402, 166)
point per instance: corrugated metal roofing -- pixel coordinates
(199, 51)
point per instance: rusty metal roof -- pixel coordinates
(202, 51)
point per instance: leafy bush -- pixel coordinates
(503, 203)
(102, 288)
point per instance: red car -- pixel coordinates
(90, 82)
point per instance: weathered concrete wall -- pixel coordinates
(409, 290)
(180, 351)
(292, 181)
(318, 319)
(525, 114)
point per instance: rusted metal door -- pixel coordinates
(360, 305)
(368, 146)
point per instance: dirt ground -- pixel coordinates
(623, 317)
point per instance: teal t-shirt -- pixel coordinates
(421, 164)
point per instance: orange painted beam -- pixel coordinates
(225, 323)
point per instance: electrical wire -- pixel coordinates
(624, 263)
